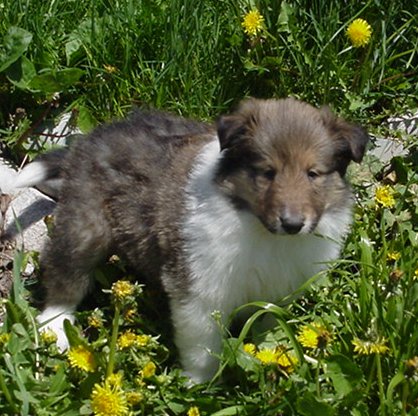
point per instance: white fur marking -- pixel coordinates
(53, 318)
(31, 175)
(234, 260)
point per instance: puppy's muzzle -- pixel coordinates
(292, 223)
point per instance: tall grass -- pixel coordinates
(194, 58)
(99, 58)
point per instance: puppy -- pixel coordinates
(244, 211)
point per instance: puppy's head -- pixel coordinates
(285, 161)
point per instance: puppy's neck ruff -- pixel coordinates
(234, 251)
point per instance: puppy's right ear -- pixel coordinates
(230, 129)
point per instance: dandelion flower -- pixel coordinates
(127, 340)
(393, 255)
(384, 196)
(129, 314)
(148, 369)
(95, 320)
(4, 338)
(411, 368)
(314, 336)
(359, 32)
(122, 289)
(134, 397)
(396, 275)
(286, 360)
(110, 69)
(267, 356)
(253, 23)
(250, 349)
(48, 336)
(114, 380)
(143, 340)
(82, 358)
(108, 401)
(362, 347)
(416, 274)
(193, 411)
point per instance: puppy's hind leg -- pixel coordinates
(79, 242)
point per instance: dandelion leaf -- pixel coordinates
(345, 375)
(14, 45)
(310, 405)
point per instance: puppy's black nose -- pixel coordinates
(292, 224)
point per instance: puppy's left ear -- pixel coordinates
(350, 139)
(230, 130)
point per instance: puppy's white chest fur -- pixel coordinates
(233, 259)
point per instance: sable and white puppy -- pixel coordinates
(244, 211)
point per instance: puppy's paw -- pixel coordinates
(52, 318)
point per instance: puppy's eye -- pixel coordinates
(269, 174)
(313, 174)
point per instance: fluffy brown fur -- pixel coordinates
(243, 211)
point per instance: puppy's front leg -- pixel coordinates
(198, 338)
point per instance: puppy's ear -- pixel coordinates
(230, 129)
(237, 126)
(350, 140)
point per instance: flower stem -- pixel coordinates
(318, 369)
(380, 384)
(113, 341)
(371, 377)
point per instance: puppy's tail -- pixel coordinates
(45, 173)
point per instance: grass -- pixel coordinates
(359, 351)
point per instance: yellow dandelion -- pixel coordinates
(267, 356)
(48, 336)
(114, 380)
(384, 196)
(95, 320)
(134, 397)
(193, 411)
(286, 359)
(411, 368)
(122, 289)
(416, 274)
(148, 370)
(82, 358)
(362, 347)
(314, 336)
(4, 338)
(250, 349)
(359, 32)
(143, 340)
(108, 401)
(127, 340)
(393, 255)
(129, 314)
(253, 23)
(110, 69)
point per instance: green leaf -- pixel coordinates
(345, 375)
(73, 335)
(56, 81)
(15, 44)
(398, 379)
(310, 405)
(286, 12)
(58, 382)
(85, 121)
(72, 48)
(21, 73)
(230, 411)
